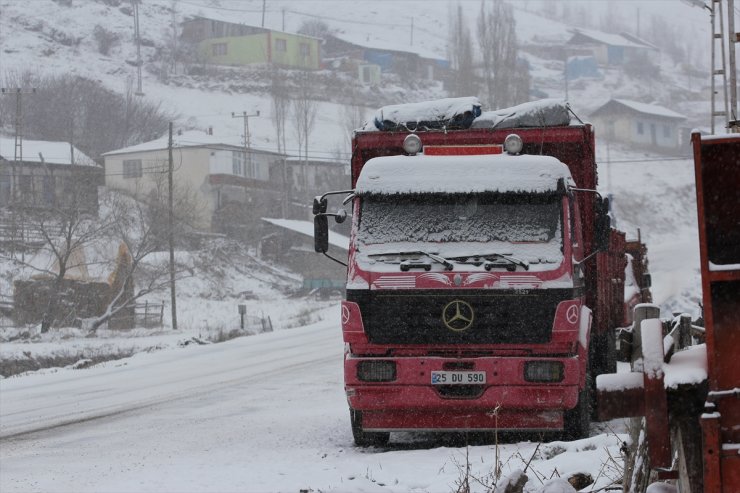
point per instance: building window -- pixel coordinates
(219, 49)
(281, 45)
(640, 128)
(666, 131)
(237, 163)
(132, 168)
(305, 50)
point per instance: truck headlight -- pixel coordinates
(376, 371)
(544, 371)
(412, 144)
(513, 144)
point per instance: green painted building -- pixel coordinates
(226, 43)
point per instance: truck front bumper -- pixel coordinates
(505, 402)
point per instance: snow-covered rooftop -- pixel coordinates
(610, 39)
(380, 44)
(461, 174)
(36, 151)
(306, 228)
(645, 108)
(190, 138)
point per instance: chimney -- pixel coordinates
(210, 131)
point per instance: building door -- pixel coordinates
(653, 135)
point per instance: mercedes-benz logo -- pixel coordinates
(458, 315)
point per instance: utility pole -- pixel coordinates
(733, 124)
(247, 150)
(17, 154)
(283, 20)
(135, 5)
(412, 31)
(264, 2)
(171, 234)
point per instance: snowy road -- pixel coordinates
(262, 413)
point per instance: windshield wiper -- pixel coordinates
(448, 265)
(488, 264)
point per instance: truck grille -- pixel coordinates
(498, 316)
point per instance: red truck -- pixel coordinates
(484, 281)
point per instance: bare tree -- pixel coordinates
(140, 226)
(65, 228)
(280, 105)
(305, 109)
(102, 120)
(315, 27)
(498, 47)
(352, 116)
(460, 49)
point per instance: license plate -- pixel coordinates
(458, 377)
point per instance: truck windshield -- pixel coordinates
(460, 218)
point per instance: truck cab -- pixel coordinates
(470, 284)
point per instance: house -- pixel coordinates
(233, 187)
(613, 49)
(222, 177)
(376, 57)
(43, 175)
(643, 124)
(228, 43)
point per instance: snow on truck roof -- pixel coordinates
(461, 174)
(466, 112)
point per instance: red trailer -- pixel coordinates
(477, 298)
(717, 167)
(685, 413)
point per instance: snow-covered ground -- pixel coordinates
(255, 414)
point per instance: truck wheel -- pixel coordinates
(363, 438)
(576, 421)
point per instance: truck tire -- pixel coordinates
(576, 421)
(364, 438)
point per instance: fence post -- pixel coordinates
(684, 331)
(642, 312)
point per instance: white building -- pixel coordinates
(220, 174)
(647, 125)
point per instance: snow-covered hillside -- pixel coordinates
(57, 36)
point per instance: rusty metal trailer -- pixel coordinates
(692, 426)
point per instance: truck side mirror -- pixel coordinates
(340, 216)
(321, 232)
